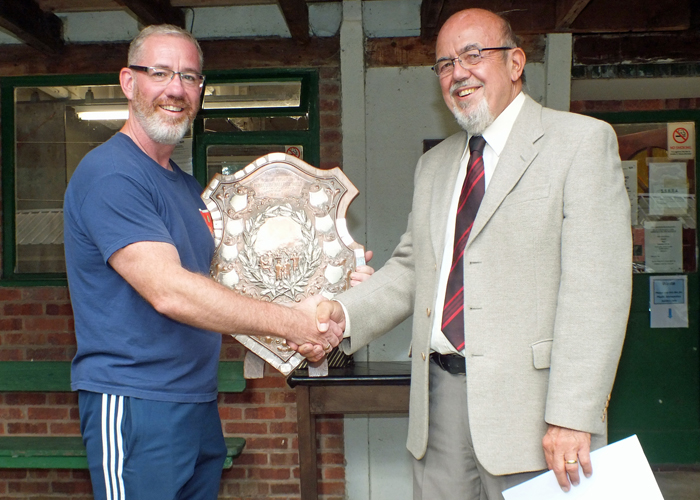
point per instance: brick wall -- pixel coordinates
(37, 323)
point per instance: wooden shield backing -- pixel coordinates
(281, 235)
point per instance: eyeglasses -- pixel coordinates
(468, 58)
(165, 76)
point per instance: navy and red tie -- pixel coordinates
(469, 201)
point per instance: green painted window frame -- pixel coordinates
(309, 139)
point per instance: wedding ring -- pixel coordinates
(329, 347)
(571, 462)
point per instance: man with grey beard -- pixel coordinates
(148, 319)
(516, 266)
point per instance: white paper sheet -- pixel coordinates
(629, 168)
(668, 301)
(663, 246)
(620, 470)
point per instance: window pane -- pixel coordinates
(252, 95)
(52, 136)
(256, 124)
(229, 159)
(661, 186)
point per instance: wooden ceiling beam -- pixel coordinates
(38, 29)
(242, 53)
(154, 12)
(296, 15)
(568, 11)
(430, 11)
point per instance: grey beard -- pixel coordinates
(162, 133)
(475, 122)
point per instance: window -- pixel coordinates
(49, 123)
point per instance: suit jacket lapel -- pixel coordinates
(516, 157)
(444, 171)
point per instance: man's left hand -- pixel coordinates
(566, 449)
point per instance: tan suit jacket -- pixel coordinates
(547, 286)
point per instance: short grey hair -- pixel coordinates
(136, 46)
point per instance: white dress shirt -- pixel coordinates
(496, 136)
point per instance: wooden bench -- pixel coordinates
(68, 452)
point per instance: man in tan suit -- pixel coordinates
(546, 280)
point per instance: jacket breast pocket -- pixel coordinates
(522, 195)
(542, 354)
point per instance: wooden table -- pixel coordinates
(363, 388)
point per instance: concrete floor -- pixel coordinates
(679, 485)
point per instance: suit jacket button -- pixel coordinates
(423, 355)
(428, 312)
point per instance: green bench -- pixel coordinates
(68, 452)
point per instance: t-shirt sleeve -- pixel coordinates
(119, 211)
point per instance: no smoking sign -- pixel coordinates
(681, 140)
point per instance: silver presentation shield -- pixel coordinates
(281, 236)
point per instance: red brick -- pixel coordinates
(23, 309)
(329, 89)
(285, 488)
(65, 338)
(25, 338)
(330, 426)
(25, 398)
(230, 413)
(45, 324)
(239, 428)
(234, 473)
(643, 105)
(268, 382)
(332, 488)
(326, 105)
(332, 458)
(49, 354)
(8, 294)
(253, 459)
(282, 397)
(59, 309)
(27, 487)
(62, 398)
(269, 473)
(333, 473)
(329, 73)
(11, 355)
(26, 428)
(289, 459)
(10, 324)
(11, 413)
(44, 294)
(268, 443)
(71, 488)
(283, 427)
(47, 413)
(333, 442)
(13, 473)
(242, 398)
(275, 413)
(65, 428)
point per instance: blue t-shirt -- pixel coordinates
(118, 196)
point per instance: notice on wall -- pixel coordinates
(663, 247)
(668, 189)
(668, 301)
(681, 140)
(182, 155)
(629, 169)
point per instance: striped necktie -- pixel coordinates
(469, 201)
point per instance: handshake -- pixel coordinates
(324, 321)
